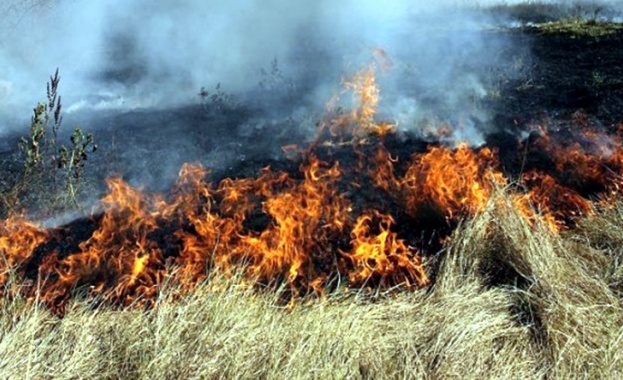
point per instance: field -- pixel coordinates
(509, 301)
(336, 244)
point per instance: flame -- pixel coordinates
(458, 182)
(560, 203)
(304, 216)
(124, 260)
(382, 257)
(18, 240)
(360, 122)
(591, 157)
(535, 214)
(365, 90)
(116, 259)
(330, 219)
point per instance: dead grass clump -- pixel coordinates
(604, 232)
(511, 300)
(560, 294)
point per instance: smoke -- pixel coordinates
(118, 54)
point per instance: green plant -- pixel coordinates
(45, 162)
(73, 159)
(38, 144)
(33, 145)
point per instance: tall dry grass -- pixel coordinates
(510, 301)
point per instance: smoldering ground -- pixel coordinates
(142, 54)
(133, 70)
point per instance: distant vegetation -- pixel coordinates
(581, 27)
(552, 11)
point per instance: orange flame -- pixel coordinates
(119, 260)
(361, 121)
(302, 228)
(382, 257)
(458, 182)
(592, 157)
(559, 202)
(304, 216)
(18, 240)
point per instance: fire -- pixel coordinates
(119, 252)
(366, 92)
(559, 202)
(356, 218)
(18, 240)
(305, 216)
(457, 182)
(210, 233)
(587, 158)
(381, 256)
(302, 241)
(360, 122)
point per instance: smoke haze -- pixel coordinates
(119, 54)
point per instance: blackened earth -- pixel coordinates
(559, 75)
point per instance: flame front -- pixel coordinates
(358, 219)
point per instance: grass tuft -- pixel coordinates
(511, 300)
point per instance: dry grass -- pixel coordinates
(581, 27)
(511, 301)
(551, 11)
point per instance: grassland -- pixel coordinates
(511, 300)
(580, 27)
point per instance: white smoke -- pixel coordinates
(145, 53)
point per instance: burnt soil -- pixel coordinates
(562, 75)
(570, 73)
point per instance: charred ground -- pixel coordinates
(561, 74)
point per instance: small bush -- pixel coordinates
(52, 173)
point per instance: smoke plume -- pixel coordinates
(124, 55)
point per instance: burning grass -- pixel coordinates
(364, 257)
(363, 209)
(305, 229)
(511, 300)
